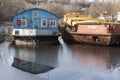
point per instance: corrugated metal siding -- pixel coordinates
(46, 31)
(29, 15)
(26, 15)
(34, 17)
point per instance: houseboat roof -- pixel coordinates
(35, 9)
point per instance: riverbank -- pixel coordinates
(6, 37)
(2, 37)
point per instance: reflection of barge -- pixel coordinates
(35, 26)
(82, 28)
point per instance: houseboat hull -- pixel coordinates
(100, 34)
(35, 40)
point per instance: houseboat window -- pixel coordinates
(53, 23)
(23, 22)
(43, 22)
(18, 22)
(16, 32)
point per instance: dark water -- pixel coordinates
(68, 62)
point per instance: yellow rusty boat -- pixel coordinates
(82, 28)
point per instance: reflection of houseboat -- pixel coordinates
(82, 28)
(35, 25)
(30, 67)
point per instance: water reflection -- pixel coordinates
(114, 61)
(45, 54)
(30, 67)
(71, 62)
(94, 57)
(5, 56)
(72, 56)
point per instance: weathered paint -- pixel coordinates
(25, 32)
(83, 28)
(29, 24)
(95, 34)
(92, 29)
(34, 32)
(99, 29)
(34, 17)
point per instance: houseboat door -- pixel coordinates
(35, 19)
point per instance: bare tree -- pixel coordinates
(96, 8)
(8, 8)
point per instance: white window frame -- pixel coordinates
(25, 21)
(42, 23)
(53, 25)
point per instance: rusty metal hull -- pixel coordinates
(85, 36)
(103, 40)
(85, 29)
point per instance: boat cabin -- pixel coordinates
(35, 25)
(40, 21)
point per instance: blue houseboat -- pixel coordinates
(36, 25)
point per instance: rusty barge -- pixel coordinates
(82, 28)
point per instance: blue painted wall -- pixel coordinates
(35, 15)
